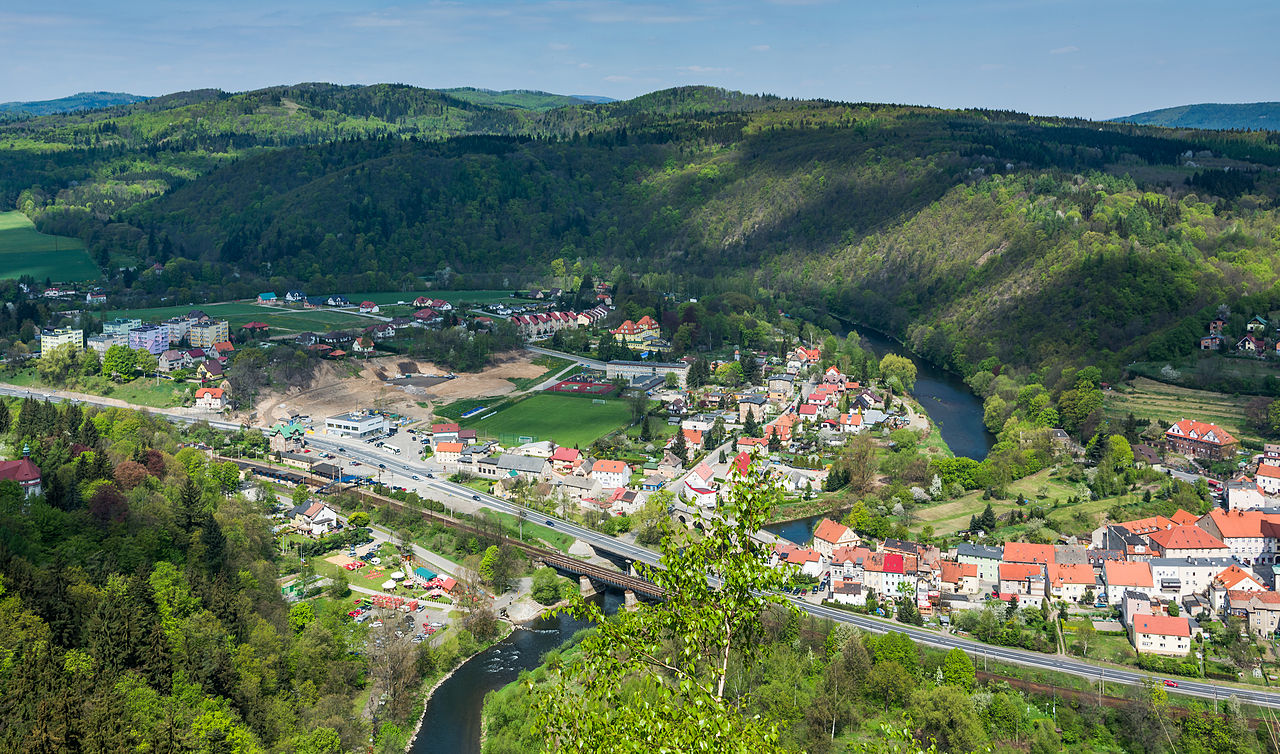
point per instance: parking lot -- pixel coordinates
(428, 621)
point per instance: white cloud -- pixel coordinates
(1064, 50)
(760, 48)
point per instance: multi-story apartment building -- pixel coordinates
(51, 339)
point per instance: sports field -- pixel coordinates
(238, 313)
(26, 251)
(568, 420)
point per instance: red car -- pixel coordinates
(354, 613)
(1170, 684)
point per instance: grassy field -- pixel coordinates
(567, 420)
(239, 313)
(553, 364)
(26, 251)
(1148, 399)
(141, 392)
(456, 409)
(953, 516)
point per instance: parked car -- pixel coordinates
(377, 623)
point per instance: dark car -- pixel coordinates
(475, 497)
(550, 522)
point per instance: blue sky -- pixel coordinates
(1095, 59)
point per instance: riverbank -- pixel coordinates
(426, 699)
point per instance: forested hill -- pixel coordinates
(975, 234)
(81, 101)
(1213, 115)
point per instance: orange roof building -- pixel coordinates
(1183, 518)
(1025, 552)
(1201, 440)
(1186, 541)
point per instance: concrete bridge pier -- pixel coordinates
(587, 588)
(629, 600)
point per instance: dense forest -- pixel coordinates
(971, 234)
(140, 610)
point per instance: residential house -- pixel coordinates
(1256, 325)
(986, 559)
(579, 488)
(1175, 578)
(368, 307)
(1201, 440)
(1250, 536)
(830, 535)
(172, 360)
(286, 438)
(802, 358)
(632, 334)
(25, 473)
(846, 563)
(653, 483)
(1025, 552)
(884, 571)
(448, 452)
(525, 467)
(1070, 581)
(1186, 542)
(849, 593)
(1161, 635)
(752, 405)
(362, 346)
(1244, 494)
(781, 387)
(565, 460)
(1119, 575)
(211, 399)
(1233, 578)
(209, 371)
(1268, 478)
(1261, 611)
(1251, 344)
(808, 561)
(337, 299)
(1211, 343)
(266, 298)
(1026, 580)
(255, 329)
(447, 432)
(295, 296)
(960, 578)
(151, 338)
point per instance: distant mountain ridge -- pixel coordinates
(79, 101)
(1212, 116)
(523, 99)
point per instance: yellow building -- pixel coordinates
(205, 334)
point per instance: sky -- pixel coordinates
(1049, 57)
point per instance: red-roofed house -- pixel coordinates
(1201, 440)
(830, 535)
(1260, 609)
(1247, 534)
(1025, 552)
(25, 473)
(368, 307)
(211, 399)
(1183, 518)
(1119, 576)
(1144, 526)
(742, 462)
(1268, 478)
(448, 452)
(1186, 542)
(1027, 580)
(960, 578)
(565, 459)
(693, 437)
(809, 561)
(611, 473)
(1069, 581)
(1162, 635)
(1231, 579)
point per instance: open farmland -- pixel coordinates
(567, 420)
(1148, 399)
(26, 251)
(238, 313)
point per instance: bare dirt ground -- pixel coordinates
(333, 390)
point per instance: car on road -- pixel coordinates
(382, 466)
(415, 477)
(1171, 684)
(431, 476)
(475, 497)
(550, 522)
(355, 463)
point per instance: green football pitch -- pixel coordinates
(567, 420)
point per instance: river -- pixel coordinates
(452, 722)
(955, 410)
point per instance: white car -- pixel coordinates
(376, 561)
(377, 624)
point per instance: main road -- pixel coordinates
(459, 496)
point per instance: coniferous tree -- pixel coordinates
(681, 447)
(750, 428)
(88, 434)
(988, 520)
(6, 419)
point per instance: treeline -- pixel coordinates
(139, 603)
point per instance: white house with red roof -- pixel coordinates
(211, 399)
(1268, 478)
(25, 473)
(830, 535)
(1249, 535)
(1201, 440)
(611, 474)
(1162, 635)
(1233, 578)
(368, 307)
(565, 460)
(1186, 542)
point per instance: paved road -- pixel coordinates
(459, 496)
(593, 363)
